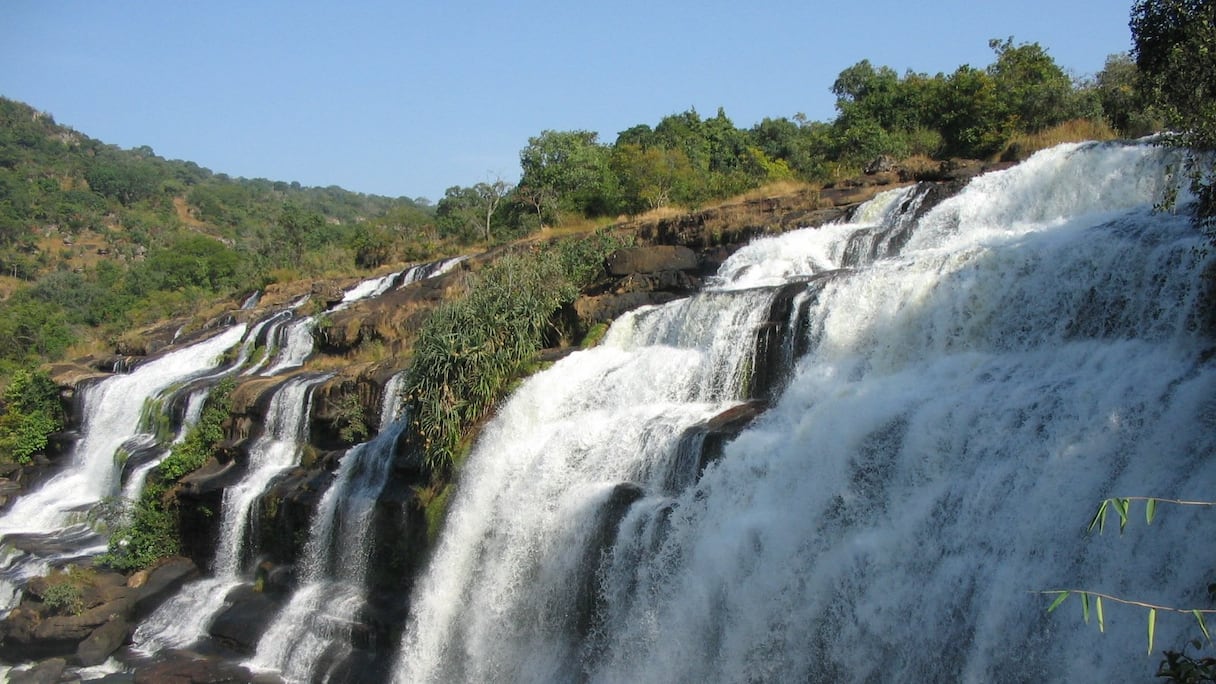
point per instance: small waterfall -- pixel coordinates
(318, 625)
(965, 398)
(294, 343)
(55, 515)
(368, 289)
(320, 619)
(251, 301)
(194, 410)
(433, 269)
(184, 619)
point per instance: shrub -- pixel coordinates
(64, 597)
(31, 413)
(469, 350)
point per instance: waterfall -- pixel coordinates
(194, 410)
(432, 269)
(184, 619)
(316, 627)
(295, 342)
(55, 515)
(968, 394)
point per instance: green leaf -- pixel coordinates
(1085, 606)
(1121, 508)
(1099, 519)
(1059, 599)
(1152, 626)
(1098, 606)
(1202, 625)
(1150, 511)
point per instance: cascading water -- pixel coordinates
(184, 619)
(295, 341)
(963, 406)
(315, 629)
(111, 416)
(433, 269)
(194, 409)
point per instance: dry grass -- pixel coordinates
(777, 189)
(1076, 130)
(920, 163)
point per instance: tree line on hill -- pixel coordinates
(174, 236)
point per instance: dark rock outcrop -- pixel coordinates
(240, 625)
(654, 259)
(183, 667)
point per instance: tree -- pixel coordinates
(1123, 103)
(1035, 93)
(570, 166)
(651, 177)
(298, 226)
(30, 413)
(1174, 45)
(490, 196)
(968, 113)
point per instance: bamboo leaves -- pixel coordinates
(1093, 601)
(470, 350)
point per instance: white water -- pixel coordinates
(368, 289)
(194, 410)
(963, 409)
(111, 416)
(185, 618)
(319, 617)
(334, 576)
(294, 344)
(433, 269)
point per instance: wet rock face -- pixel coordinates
(181, 667)
(283, 516)
(242, 623)
(653, 259)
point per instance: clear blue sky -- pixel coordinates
(408, 98)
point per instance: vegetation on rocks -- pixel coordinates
(470, 349)
(148, 529)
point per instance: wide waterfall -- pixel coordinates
(968, 392)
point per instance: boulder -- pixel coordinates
(103, 641)
(160, 582)
(45, 672)
(605, 308)
(188, 668)
(244, 621)
(661, 281)
(651, 260)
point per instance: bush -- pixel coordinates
(31, 413)
(470, 350)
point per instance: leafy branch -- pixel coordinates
(1121, 505)
(1153, 608)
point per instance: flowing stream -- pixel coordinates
(967, 393)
